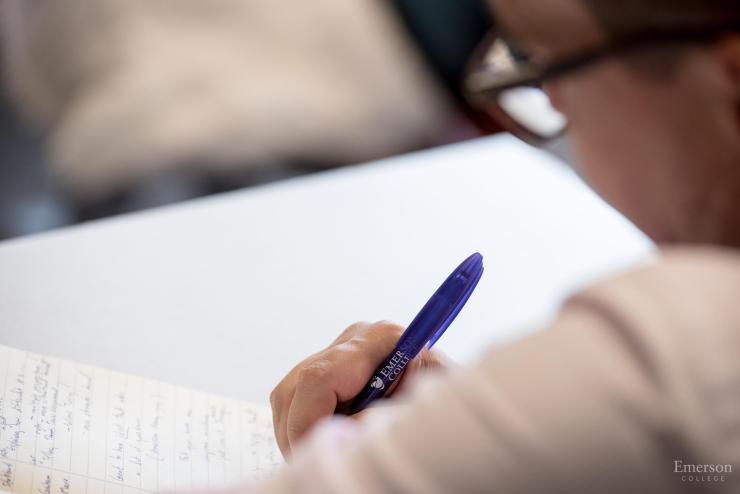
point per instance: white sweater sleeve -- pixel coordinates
(622, 385)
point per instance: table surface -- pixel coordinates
(227, 293)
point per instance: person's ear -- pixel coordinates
(728, 52)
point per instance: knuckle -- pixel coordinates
(316, 371)
(385, 329)
(274, 401)
(277, 405)
(347, 348)
(352, 330)
(279, 391)
(377, 337)
(351, 354)
(358, 326)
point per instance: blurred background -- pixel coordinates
(111, 106)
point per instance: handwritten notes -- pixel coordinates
(67, 428)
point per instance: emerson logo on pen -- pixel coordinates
(424, 330)
(390, 372)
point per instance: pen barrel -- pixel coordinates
(424, 330)
(409, 345)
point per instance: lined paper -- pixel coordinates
(68, 428)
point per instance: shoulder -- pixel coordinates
(679, 319)
(687, 300)
(694, 288)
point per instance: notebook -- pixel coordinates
(69, 428)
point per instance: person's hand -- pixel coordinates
(321, 382)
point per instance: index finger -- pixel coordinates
(336, 376)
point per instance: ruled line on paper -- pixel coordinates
(72, 429)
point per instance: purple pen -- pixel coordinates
(426, 328)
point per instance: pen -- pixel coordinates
(426, 328)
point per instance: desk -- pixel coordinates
(226, 293)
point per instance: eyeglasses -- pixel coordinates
(506, 86)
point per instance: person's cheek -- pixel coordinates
(589, 132)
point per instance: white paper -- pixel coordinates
(68, 428)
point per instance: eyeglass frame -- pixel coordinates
(484, 96)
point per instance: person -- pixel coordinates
(148, 102)
(635, 386)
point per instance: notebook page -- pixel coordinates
(68, 428)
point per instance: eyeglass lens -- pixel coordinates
(528, 106)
